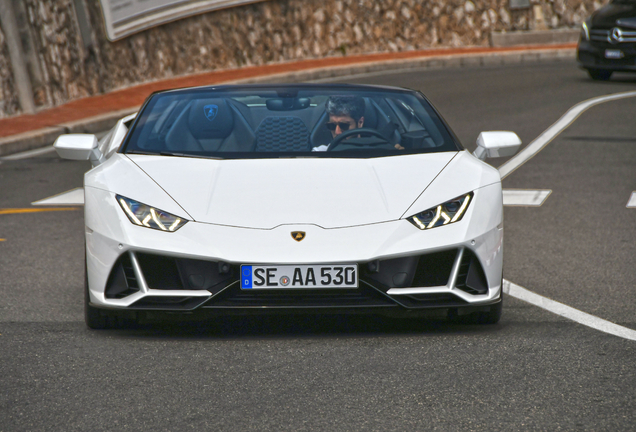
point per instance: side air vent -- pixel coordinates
(122, 281)
(471, 277)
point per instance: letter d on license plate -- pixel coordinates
(299, 276)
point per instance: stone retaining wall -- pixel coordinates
(8, 96)
(260, 33)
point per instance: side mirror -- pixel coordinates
(78, 147)
(496, 144)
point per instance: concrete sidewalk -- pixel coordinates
(97, 113)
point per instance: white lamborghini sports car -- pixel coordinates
(290, 198)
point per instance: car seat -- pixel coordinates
(210, 125)
(282, 133)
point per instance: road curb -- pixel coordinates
(29, 140)
(434, 62)
(46, 136)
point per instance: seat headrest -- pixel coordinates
(370, 115)
(210, 119)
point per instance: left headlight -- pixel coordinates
(443, 214)
(149, 217)
(585, 31)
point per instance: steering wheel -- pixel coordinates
(362, 131)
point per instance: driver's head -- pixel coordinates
(345, 113)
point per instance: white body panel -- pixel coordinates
(330, 193)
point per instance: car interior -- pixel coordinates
(279, 124)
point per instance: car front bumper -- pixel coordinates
(400, 267)
(592, 56)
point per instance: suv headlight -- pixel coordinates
(585, 31)
(443, 214)
(149, 217)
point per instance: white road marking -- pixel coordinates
(72, 197)
(28, 154)
(525, 197)
(546, 137)
(522, 157)
(568, 312)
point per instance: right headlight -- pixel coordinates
(149, 217)
(444, 214)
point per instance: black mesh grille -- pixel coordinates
(276, 134)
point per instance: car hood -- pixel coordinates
(265, 193)
(607, 17)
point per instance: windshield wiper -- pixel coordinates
(167, 153)
(139, 152)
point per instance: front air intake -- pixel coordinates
(471, 277)
(122, 281)
(167, 273)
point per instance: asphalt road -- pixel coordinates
(533, 371)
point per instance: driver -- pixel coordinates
(345, 113)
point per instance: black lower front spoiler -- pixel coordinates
(392, 311)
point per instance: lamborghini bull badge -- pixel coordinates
(298, 235)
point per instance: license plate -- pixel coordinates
(299, 276)
(614, 54)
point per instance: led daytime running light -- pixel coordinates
(149, 217)
(444, 214)
(462, 209)
(130, 214)
(585, 31)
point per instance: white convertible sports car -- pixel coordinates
(290, 198)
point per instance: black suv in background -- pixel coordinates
(608, 40)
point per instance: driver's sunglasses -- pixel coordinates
(343, 126)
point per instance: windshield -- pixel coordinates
(288, 121)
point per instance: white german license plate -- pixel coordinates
(614, 54)
(299, 276)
